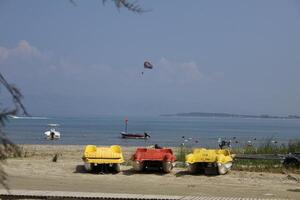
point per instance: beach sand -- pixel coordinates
(36, 171)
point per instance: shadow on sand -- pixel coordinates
(99, 170)
(80, 169)
(200, 173)
(131, 171)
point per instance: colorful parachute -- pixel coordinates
(148, 65)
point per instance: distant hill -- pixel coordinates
(205, 114)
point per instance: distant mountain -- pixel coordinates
(205, 114)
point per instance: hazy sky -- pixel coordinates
(209, 56)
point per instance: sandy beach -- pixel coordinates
(36, 171)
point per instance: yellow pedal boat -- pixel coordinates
(210, 161)
(94, 156)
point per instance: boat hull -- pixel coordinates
(133, 136)
(52, 135)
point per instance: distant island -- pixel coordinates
(205, 114)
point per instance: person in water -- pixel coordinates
(146, 135)
(52, 135)
(225, 144)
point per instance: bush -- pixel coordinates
(269, 147)
(294, 146)
(181, 152)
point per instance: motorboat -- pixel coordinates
(52, 134)
(126, 135)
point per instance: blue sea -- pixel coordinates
(165, 131)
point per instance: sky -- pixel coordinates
(209, 56)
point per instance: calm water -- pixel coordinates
(164, 130)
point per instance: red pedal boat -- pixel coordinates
(158, 157)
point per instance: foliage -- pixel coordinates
(266, 165)
(294, 146)
(181, 152)
(258, 165)
(8, 148)
(270, 147)
(131, 6)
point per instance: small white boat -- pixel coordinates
(52, 134)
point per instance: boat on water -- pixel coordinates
(52, 134)
(25, 117)
(126, 135)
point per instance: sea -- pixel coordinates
(164, 130)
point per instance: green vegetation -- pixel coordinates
(258, 165)
(270, 148)
(181, 152)
(263, 165)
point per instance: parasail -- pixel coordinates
(148, 65)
